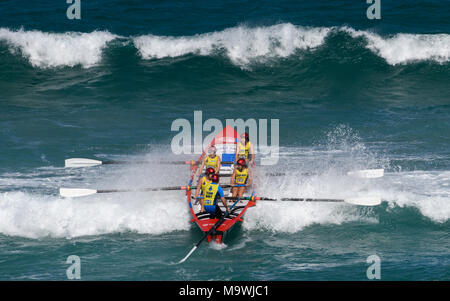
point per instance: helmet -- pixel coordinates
(241, 162)
(215, 178)
(246, 137)
(209, 170)
(212, 150)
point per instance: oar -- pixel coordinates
(365, 173)
(80, 192)
(82, 162)
(213, 228)
(362, 201)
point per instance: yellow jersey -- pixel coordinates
(210, 194)
(244, 150)
(204, 183)
(240, 177)
(211, 162)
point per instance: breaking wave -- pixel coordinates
(34, 216)
(241, 45)
(46, 50)
(404, 48)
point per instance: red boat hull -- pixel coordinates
(227, 136)
(206, 224)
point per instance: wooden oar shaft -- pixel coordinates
(362, 200)
(80, 192)
(112, 190)
(301, 200)
(143, 189)
(267, 174)
(289, 199)
(136, 162)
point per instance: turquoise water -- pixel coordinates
(349, 93)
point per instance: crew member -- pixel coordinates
(245, 150)
(203, 181)
(211, 160)
(213, 192)
(240, 179)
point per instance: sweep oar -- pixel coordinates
(80, 192)
(362, 201)
(213, 228)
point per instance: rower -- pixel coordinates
(203, 181)
(245, 150)
(213, 192)
(240, 179)
(212, 160)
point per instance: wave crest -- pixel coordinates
(242, 45)
(47, 50)
(404, 48)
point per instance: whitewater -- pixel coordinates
(349, 94)
(242, 45)
(32, 207)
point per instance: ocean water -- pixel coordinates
(350, 93)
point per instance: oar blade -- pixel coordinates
(81, 162)
(367, 173)
(364, 201)
(187, 256)
(76, 192)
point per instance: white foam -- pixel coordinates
(34, 216)
(404, 48)
(36, 213)
(244, 45)
(46, 50)
(241, 44)
(218, 247)
(292, 217)
(325, 167)
(293, 266)
(425, 190)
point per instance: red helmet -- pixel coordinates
(245, 135)
(215, 178)
(210, 170)
(241, 162)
